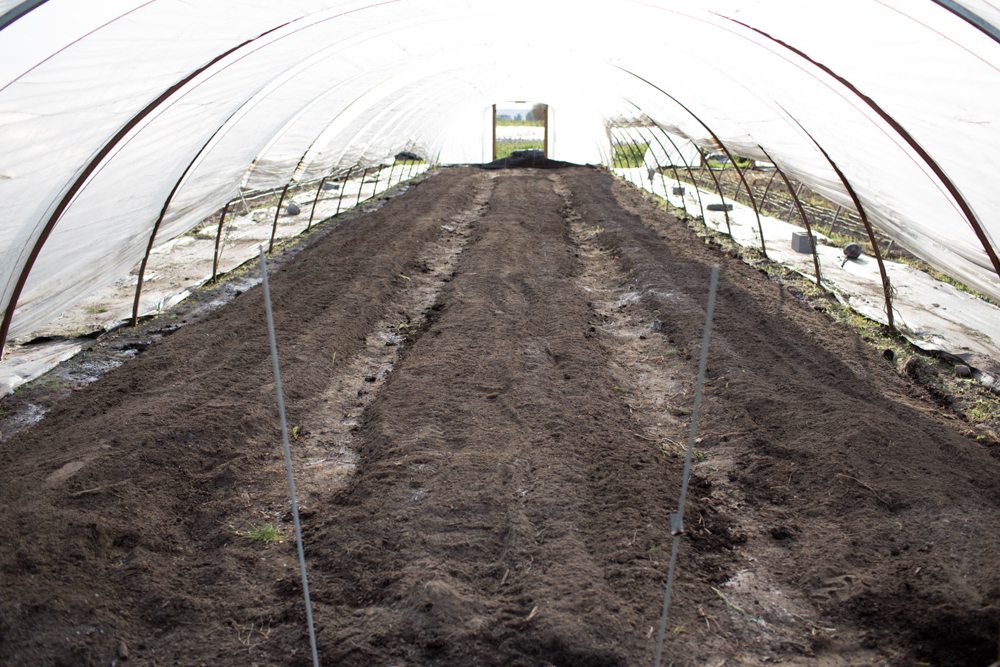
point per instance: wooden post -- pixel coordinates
(546, 140)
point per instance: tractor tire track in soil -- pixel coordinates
(493, 486)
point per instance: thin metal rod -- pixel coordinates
(218, 242)
(722, 197)
(677, 519)
(633, 150)
(659, 170)
(364, 175)
(391, 169)
(617, 150)
(274, 227)
(19, 10)
(767, 189)
(378, 174)
(163, 212)
(673, 167)
(991, 31)
(342, 188)
(902, 131)
(836, 216)
(802, 212)
(795, 195)
(722, 145)
(319, 191)
(743, 181)
(617, 153)
(288, 457)
(694, 181)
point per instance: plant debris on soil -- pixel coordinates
(489, 380)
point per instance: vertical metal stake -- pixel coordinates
(288, 456)
(364, 175)
(277, 212)
(218, 240)
(312, 213)
(677, 519)
(342, 188)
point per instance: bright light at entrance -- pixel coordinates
(520, 126)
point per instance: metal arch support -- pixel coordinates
(620, 150)
(642, 159)
(753, 200)
(361, 186)
(163, 212)
(218, 241)
(886, 285)
(973, 19)
(312, 212)
(342, 188)
(802, 212)
(274, 226)
(949, 185)
(391, 169)
(697, 190)
(616, 144)
(19, 10)
(767, 189)
(722, 197)
(659, 167)
(652, 135)
(739, 172)
(92, 166)
(628, 152)
(633, 150)
(718, 187)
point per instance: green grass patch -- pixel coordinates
(266, 534)
(505, 148)
(629, 155)
(521, 123)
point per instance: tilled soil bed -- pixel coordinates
(489, 379)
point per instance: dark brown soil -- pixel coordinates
(508, 506)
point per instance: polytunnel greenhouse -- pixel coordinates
(448, 332)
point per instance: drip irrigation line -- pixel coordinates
(677, 518)
(288, 456)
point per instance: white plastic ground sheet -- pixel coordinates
(120, 117)
(931, 314)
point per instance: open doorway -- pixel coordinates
(520, 129)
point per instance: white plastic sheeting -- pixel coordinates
(933, 315)
(256, 93)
